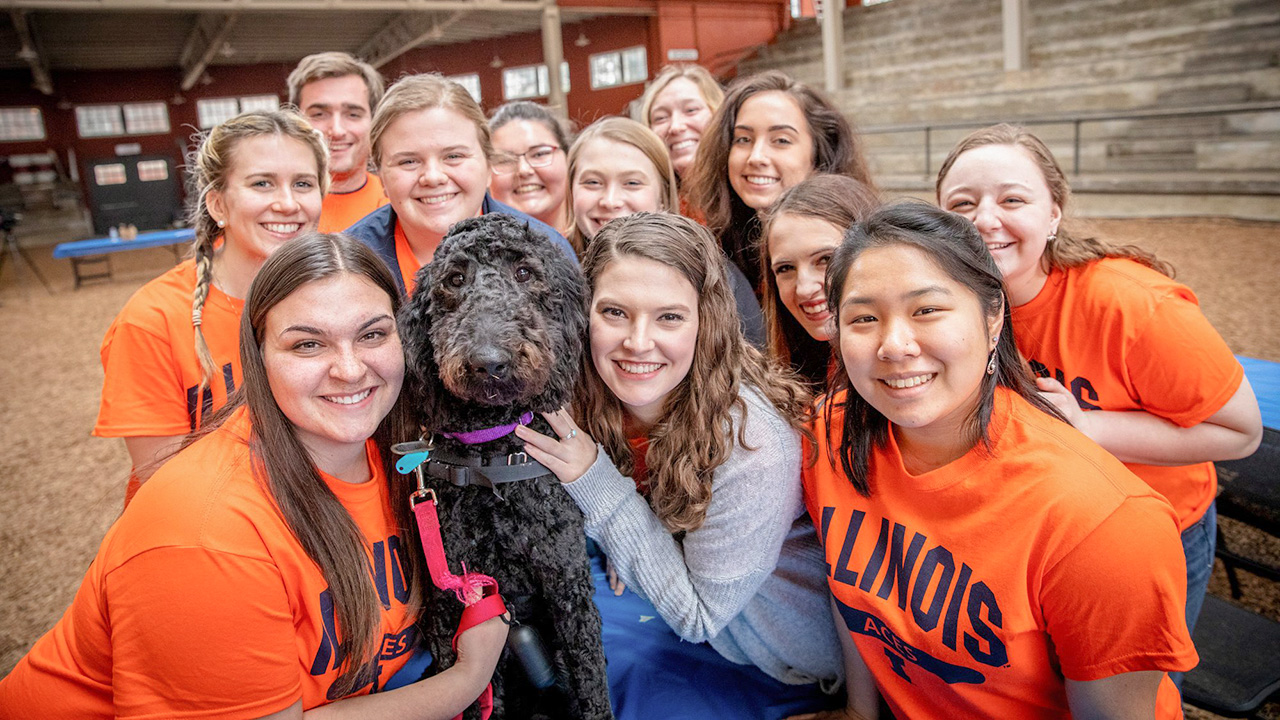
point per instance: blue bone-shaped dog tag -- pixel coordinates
(412, 454)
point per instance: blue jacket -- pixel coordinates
(378, 231)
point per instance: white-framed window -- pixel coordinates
(214, 111)
(21, 123)
(531, 81)
(153, 170)
(146, 118)
(109, 174)
(619, 67)
(99, 120)
(470, 81)
(259, 102)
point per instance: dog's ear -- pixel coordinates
(422, 378)
(568, 308)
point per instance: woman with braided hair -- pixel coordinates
(171, 356)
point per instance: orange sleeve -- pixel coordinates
(1180, 367)
(1115, 602)
(199, 633)
(142, 392)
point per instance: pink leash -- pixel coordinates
(478, 592)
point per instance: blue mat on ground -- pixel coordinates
(1264, 376)
(654, 674)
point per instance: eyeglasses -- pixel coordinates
(539, 156)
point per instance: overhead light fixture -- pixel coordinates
(496, 62)
(582, 40)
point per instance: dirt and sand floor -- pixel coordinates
(63, 488)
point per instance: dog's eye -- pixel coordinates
(456, 280)
(523, 274)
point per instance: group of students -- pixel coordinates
(960, 460)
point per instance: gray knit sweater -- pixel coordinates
(751, 580)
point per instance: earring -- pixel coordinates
(1052, 236)
(991, 364)
(222, 223)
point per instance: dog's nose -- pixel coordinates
(490, 362)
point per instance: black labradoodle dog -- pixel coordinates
(493, 336)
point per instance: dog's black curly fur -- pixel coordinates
(493, 330)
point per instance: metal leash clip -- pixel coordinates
(412, 457)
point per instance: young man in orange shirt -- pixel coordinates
(338, 95)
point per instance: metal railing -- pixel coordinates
(1074, 119)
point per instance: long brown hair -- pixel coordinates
(315, 516)
(695, 435)
(208, 167)
(1068, 250)
(836, 150)
(839, 201)
(956, 246)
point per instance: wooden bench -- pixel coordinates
(97, 251)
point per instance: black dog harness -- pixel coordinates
(486, 471)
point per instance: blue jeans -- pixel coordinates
(1198, 544)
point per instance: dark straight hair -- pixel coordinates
(315, 516)
(957, 248)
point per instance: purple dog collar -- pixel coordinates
(484, 435)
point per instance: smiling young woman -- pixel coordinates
(678, 106)
(1108, 330)
(769, 135)
(271, 566)
(531, 170)
(171, 357)
(695, 498)
(801, 232)
(433, 149)
(1008, 534)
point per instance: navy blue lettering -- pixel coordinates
(827, 512)
(841, 572)
(953, 608)
(995, 655)
(329, 655)
(900, 566)
(863, 623)
(200, 404)
(898, 663)
(872, 569)
(1080, 387)
(398, 587)
(939, 557)
(379, 573)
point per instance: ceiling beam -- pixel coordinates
(329, 6)
(406, 32)
(31, 52)
(204, 42)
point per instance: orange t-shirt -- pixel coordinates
(342, 210)
(408, 262)
(972, 590)
(1121, 336)
(151, 374)
(202, 603)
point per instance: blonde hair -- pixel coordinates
(208, 167)
(427, 91)
(1067, 250)
(712, 93)
(330, 65)
(694, 435)
(627, 132)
